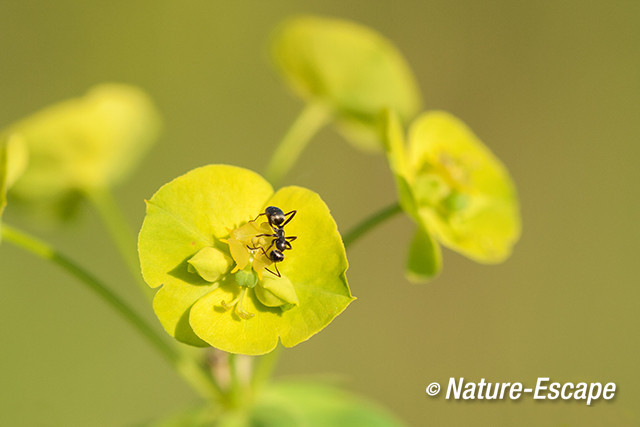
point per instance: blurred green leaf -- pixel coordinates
(291, 404)
(13, 161)
(197, 416)
(86, 143)
(303, 404)
(203, 209)
(351, 69)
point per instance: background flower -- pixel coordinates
(348, 68)
(86, 143)
(455, 189)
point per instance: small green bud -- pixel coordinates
(276, 291)
(246, 278)
(210, 263)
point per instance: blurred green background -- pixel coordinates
(552, 87)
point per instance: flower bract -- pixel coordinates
(13, 161)
(204, 243)
(455, 188)
(85, 143)
(349, 68)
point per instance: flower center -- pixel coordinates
(248, 244)
(444, 185)
(254, 247)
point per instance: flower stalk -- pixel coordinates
(311, 119)
(187, 367)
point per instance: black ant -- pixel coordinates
(276, 218)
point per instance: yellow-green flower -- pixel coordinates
(457, 191)
(349, 69)
(85, 144)
(201, 242)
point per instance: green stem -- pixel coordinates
(312, 118)
(235, 386)
(124, 239)
(120, 233)
(370, 222)
(187, 367)
(263, 369)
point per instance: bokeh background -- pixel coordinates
(553, 87)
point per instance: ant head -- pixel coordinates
(275, 215)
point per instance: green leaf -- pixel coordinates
(466, 197)
(425, 259)
(86, 143)
(204, 208)
(202, 415)
(13, 161)
(313, 404)
(348, 67)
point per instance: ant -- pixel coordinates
(276, 216)
(277, 220)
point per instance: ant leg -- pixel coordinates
(272, 242)
(268, 235)
(258, 217)
(276, 266)
(275, 230)
(287, 241)
(292, 213)
(260, 247)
